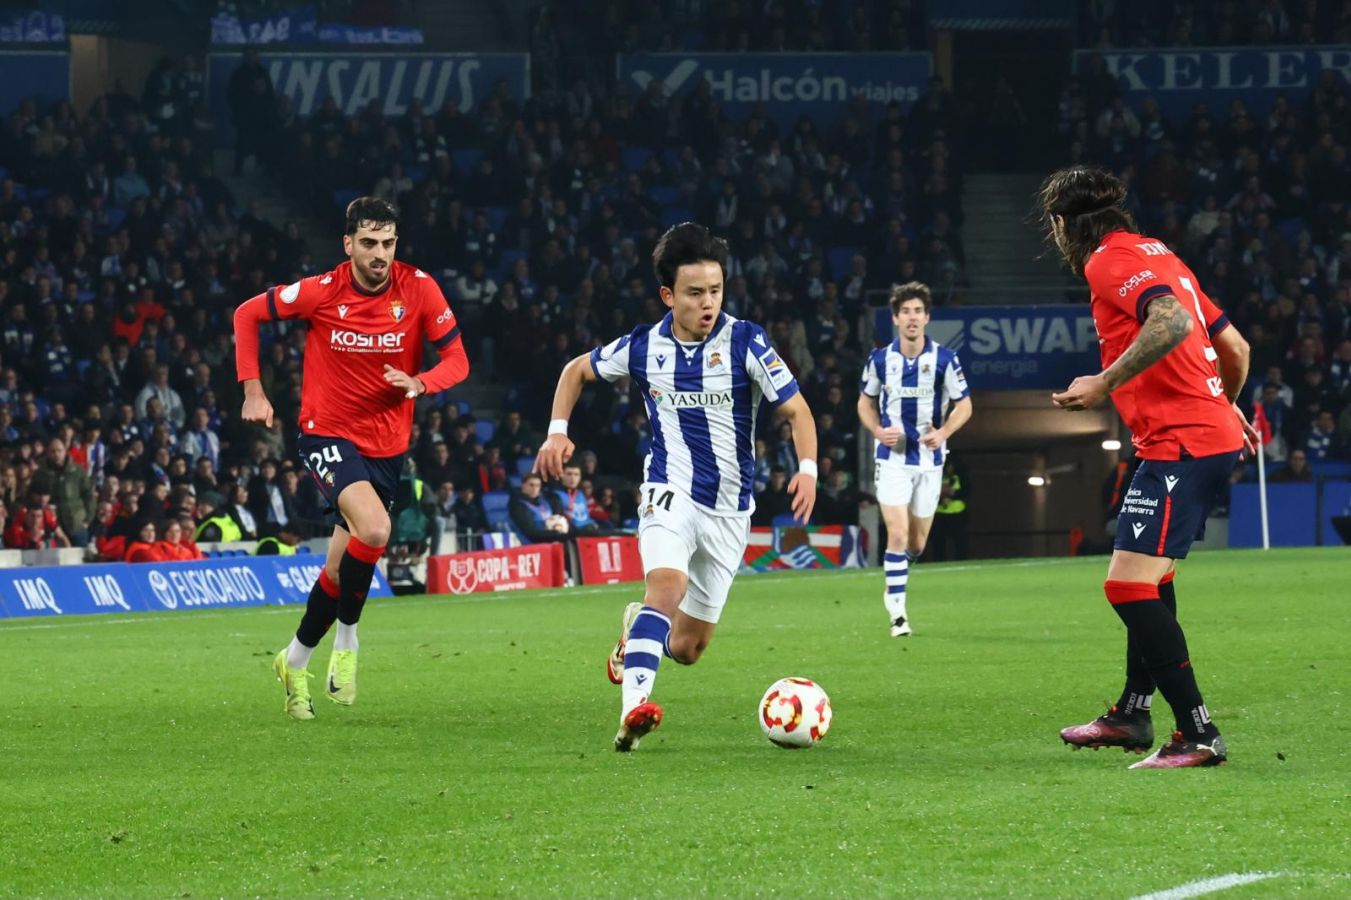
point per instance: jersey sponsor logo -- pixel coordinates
(342, 310)
(691, 399)
(327, 279)
(360, 342)
(1137, 527)
(760, 339)
(909, 393)
(444, 317)
(418, 273)
(397, 310)
(1135, 281)
(772, 362)
(290, 293)
(661, 361)
(1169, 481)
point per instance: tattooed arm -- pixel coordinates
(1166, 325)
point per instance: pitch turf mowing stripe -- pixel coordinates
(1208, 886)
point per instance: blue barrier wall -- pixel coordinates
(151, 587)
(1336, 502)
(1290, 515)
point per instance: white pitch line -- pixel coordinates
(1208, 886)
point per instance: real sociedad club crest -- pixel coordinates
(714, 359)
(397, 309)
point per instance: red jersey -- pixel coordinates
(353, 335)
(1178, 404)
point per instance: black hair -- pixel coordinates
(1091, 202)
(682, 245)
(911, 290)
(371, 211)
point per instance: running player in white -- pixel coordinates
(904, 401)
(703, 375)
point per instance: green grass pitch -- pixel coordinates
(148, 755)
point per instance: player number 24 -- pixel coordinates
(318, 458)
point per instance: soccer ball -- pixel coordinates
(795, 713)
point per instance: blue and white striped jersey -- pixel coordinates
(702, 400)
(914, 394)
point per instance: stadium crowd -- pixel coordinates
(1258, 208)
(124, 256)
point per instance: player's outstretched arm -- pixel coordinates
(557, 447)
(803, 485)
(1166, 325)
(868, 417)
(450, 370)
(1233, 355)
(248, 316)
(959, 416)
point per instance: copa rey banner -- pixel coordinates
(151, 587)
(353, 80)
(1013, 347)
(790, 85)
(1216, 76)
(42, 76)
(507, 569)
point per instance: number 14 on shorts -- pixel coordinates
(657, 498)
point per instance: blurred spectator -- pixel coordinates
(536, 515)
(470, 519)
(144, 546)
(576, 505)
(774, 500)
(1321, 442)
(70, 489)
(170, 404)
(1296, 468)
(604, 508)
(838, 502)
(35, 529)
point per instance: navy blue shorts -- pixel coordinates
(1167, 503)
(336, 462)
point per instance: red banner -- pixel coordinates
(609, 560)
(509, 569)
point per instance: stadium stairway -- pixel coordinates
(322, 238)
(1005, 255)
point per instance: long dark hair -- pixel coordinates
(1091, 201)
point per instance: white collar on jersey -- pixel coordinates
(664, 329)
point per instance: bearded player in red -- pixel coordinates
(1173, 365)
(367, 319)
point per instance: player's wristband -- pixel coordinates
(559, 426)
(807, 467)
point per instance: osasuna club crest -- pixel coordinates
(397, 310)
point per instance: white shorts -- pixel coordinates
(901, 485)
(674, 532)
